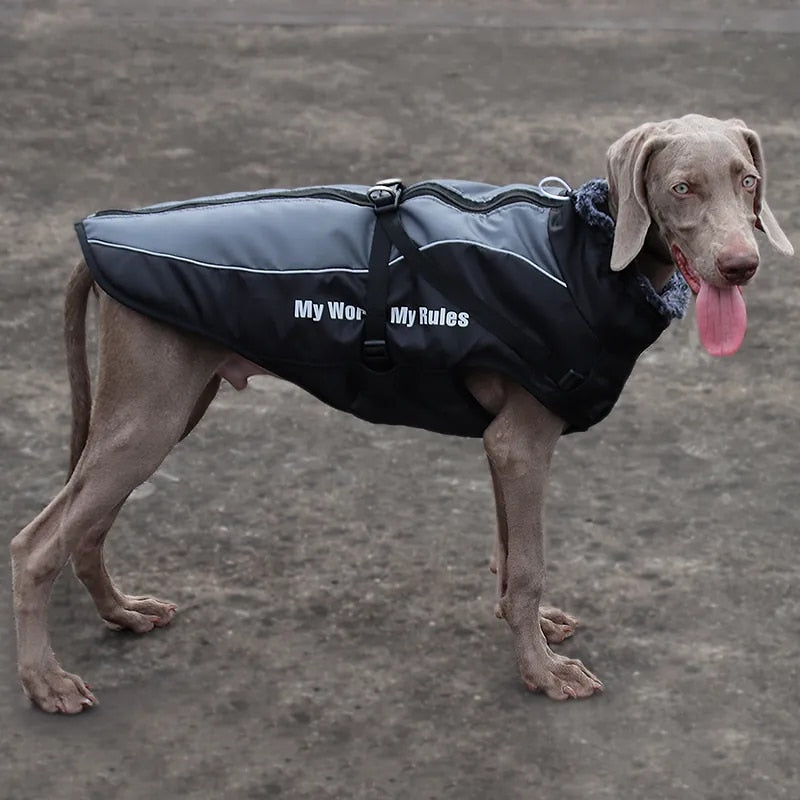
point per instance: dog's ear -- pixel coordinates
(626, 166)
(765, 219)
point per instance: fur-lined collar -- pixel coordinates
(591, 203)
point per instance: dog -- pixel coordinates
(685, 195)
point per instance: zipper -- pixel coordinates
(502, 199)
(323, 194)
(425, 188)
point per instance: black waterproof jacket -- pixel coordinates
(510, 279)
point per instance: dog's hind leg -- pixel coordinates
(149, 382)
(137, 613)
(202, 404)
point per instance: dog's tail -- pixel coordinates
(80, 283)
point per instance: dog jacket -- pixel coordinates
(378, 300)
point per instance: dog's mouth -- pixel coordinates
(721, 312)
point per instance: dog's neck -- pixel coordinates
(654, 260)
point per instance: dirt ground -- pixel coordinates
(336, 636)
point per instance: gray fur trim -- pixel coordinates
(673, 300)
(591, 203)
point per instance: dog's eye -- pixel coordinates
(681, 188)
(749, 181)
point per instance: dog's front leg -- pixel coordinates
(519, 444)
(556, 624)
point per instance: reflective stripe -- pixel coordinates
(224, 266)
(493, 249)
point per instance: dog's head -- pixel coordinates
(693, 190)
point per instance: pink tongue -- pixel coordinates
(721, 319)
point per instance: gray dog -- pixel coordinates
(683, 194)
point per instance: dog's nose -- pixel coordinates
(737, 266)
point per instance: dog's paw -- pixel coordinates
(140, 614)
(556, 624)
(561, 678)
(56, 691)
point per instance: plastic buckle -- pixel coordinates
(385, 195)
(375, 354)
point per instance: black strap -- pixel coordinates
(374, 351)
(385, 197)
